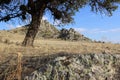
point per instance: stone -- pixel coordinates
(79, 67)
(72, 35)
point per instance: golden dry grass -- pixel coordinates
(56, 46)
(50, 46)
(17, 73)
(10, 44)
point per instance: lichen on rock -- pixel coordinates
(79, 67)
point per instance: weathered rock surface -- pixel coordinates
(78, 67)
(72, 35)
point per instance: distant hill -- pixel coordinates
(47, 30)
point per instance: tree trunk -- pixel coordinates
(36, 13)
(32, 30)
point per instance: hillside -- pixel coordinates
(48, 31)
(69, 54)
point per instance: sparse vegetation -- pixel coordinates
(44, 47)
(50, 42)
(13, 70)
(10, 42)
(61, 10)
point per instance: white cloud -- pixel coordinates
(107, 35)
(19, 26)
(57, 22)
(44, 18)
(12, 26)
(115, 30)
(81, 29)
(97, 30)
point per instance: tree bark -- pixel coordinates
(33, 28)
(36, 12)
(32, 31)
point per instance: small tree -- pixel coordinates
(62, 10)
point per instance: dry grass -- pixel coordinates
(50, 46)
(55, 46)
(14, 74)
(46, 47)
(76, 47)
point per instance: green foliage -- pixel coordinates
(105, 6)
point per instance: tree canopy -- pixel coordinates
(62, 10)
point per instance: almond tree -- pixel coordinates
(62, 10)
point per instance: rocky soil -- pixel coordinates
(78, 67)
(69, 67)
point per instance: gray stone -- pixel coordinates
(72, 35)
(79, 67)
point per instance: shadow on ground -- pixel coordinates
(65, 66)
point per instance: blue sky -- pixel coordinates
(90, 24)
(97, 26)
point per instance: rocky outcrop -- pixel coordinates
(78, 67)
(47, 30)
(72, 35)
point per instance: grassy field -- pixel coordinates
(10, 44)
(50, 46)
(43, 47)
(10, 48)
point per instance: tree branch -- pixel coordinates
(10, 16)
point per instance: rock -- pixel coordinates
(79, 67)
(49, 31)
(72, 35)
(46, 30)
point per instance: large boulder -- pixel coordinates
(72, 35)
